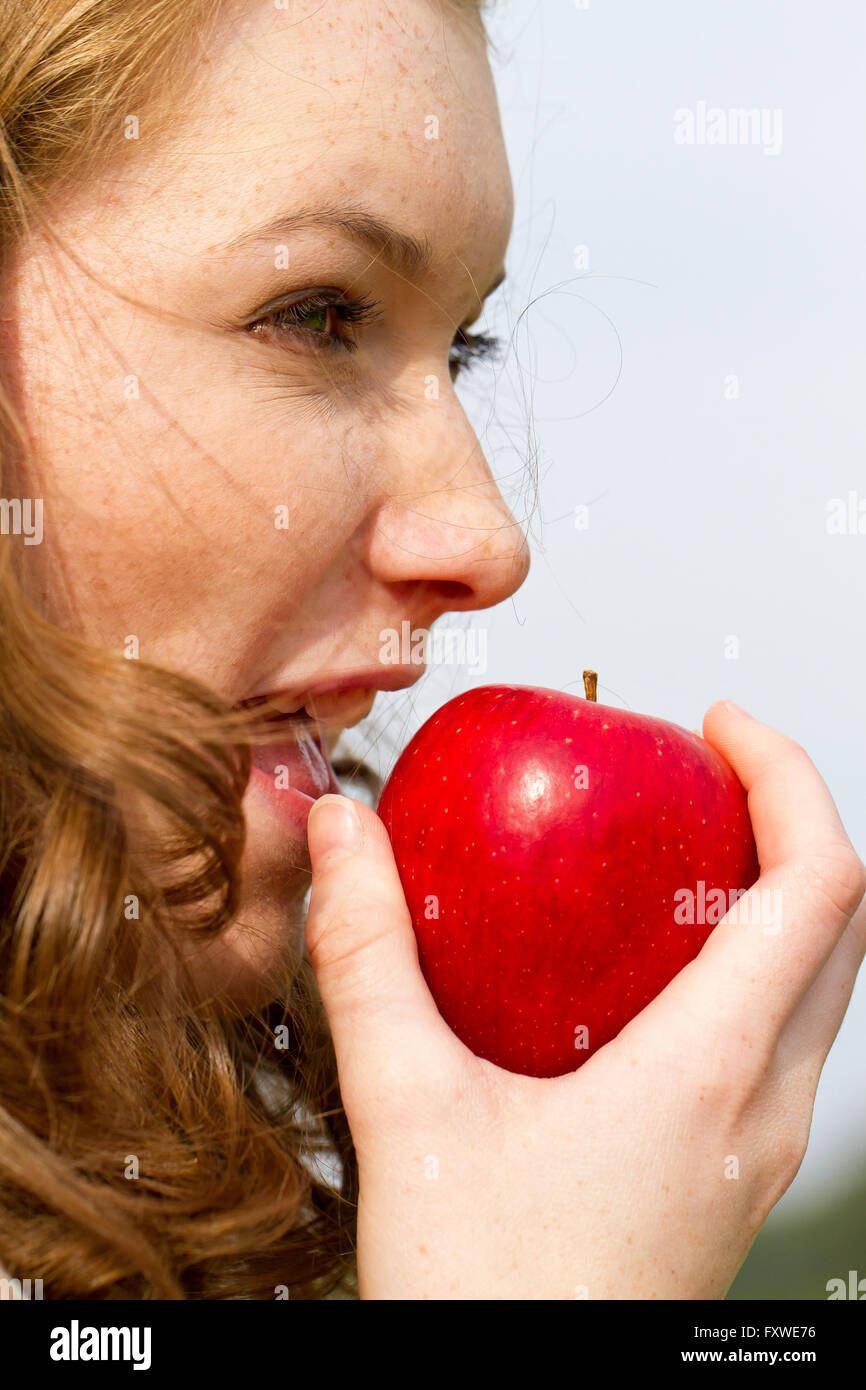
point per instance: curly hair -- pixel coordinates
(120, 821)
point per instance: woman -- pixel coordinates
(242, 248)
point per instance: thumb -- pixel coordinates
(362, 946)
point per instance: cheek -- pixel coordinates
(202, 518)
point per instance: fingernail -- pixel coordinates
(338, 830)
(737, 709)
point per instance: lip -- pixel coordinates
(337, 702)
(372, 678)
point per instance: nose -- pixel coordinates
(443, 535)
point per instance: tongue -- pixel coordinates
(308, 768)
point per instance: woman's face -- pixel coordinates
(250, 498)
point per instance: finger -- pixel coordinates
(757, 965)
(740, 997)
(812, 880)
(792, 812)
(362, 946)
(812, 1028)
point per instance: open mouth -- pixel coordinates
(290, 738)
(295, 754)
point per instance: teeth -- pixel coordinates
(278, 708)
(332, 708)
(341, 708)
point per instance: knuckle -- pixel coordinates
(782, 759)
(791, 751)
(792, 1129)
(786, 754)
(761, 1109)
(837, 876)
(786, 1154)
(857, 928)
(784, 1119)
(794, 750)
(781, 1171)
(339, 935)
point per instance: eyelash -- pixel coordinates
(466, 349)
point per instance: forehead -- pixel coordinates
(393, 106)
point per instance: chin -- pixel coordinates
(253, 961)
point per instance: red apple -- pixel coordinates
(562, 861)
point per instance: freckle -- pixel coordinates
(422, 1249)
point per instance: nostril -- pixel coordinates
(453, 589)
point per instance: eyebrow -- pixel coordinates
(408, 255)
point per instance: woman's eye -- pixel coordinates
(315, 318)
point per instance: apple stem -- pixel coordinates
(590, 684)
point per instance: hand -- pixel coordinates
(648, 1172)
